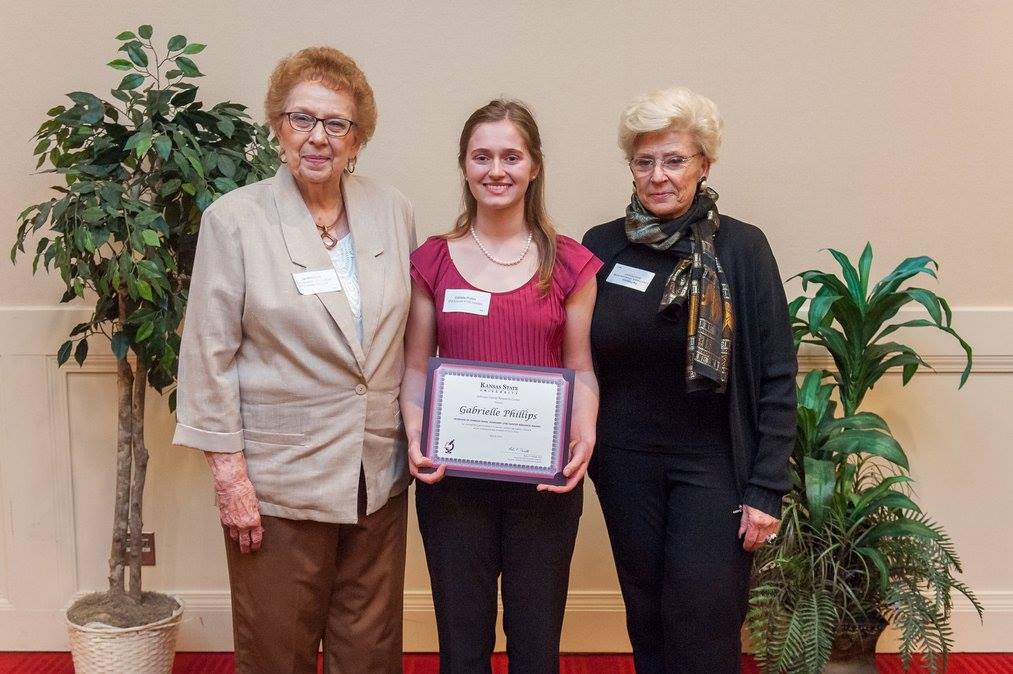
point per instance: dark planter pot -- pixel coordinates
(854, 649)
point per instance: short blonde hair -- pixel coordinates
(331, 68)
(676, 109)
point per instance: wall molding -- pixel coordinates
(63, 474)
(97, 364)
(595, 621)
(6, 517)
(39, 330)
(996, 601)
(577, 601)
(938, 364)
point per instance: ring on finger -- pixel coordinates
(771, 538)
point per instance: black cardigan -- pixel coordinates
(761, 380)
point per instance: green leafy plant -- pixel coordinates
(137, 172)
(855, 550)
(852, 323)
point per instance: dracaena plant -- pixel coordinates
(136, 171)
(852, 323)
(854, 550)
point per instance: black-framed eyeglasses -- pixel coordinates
(336, 127)
(674, 164)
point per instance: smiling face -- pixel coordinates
(669, 194)
(314, 157)
(498, 165)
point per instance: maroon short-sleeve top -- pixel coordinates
(523, 326)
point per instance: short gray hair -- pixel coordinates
(676, 109)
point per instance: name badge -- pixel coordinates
(466, 302)
(631, 277)
(318, 281)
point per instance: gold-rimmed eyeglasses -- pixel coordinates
(336, 127)
(673, 164)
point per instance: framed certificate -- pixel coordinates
(496, 421)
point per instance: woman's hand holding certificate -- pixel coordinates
(498, 422)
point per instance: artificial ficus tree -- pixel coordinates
(137, 172)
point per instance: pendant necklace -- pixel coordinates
(325, 231)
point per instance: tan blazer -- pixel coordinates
(282, 376)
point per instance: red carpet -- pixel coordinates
(221, 663)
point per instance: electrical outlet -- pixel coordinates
(147, 547)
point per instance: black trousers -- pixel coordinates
(475, 531)
(682, 570)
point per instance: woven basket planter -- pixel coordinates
(148, 649)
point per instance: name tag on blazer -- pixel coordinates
(466, 302)
(317, 281)
(631, 277)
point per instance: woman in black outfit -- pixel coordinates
(693, 349)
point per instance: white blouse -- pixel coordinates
(343, 260)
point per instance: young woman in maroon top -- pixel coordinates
(541, 297)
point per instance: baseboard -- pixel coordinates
(595, 622)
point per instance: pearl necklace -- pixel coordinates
(502, 263)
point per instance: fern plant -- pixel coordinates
(855, 550)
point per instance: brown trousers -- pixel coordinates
(313, 581)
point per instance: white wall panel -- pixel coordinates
(57, 454)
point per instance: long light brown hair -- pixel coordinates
(535, 214)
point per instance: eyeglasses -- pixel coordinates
(336, 127)
(673, 165)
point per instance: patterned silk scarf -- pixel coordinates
(699, 278)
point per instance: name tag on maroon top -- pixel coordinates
(463, 301)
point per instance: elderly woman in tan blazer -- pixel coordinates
(289, 376)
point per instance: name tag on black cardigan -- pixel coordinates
(630, 277)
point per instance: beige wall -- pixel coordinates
(845, 122)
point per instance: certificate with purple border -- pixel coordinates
(496, 421)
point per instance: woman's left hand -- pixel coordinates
(755, 527)
(580, 454)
